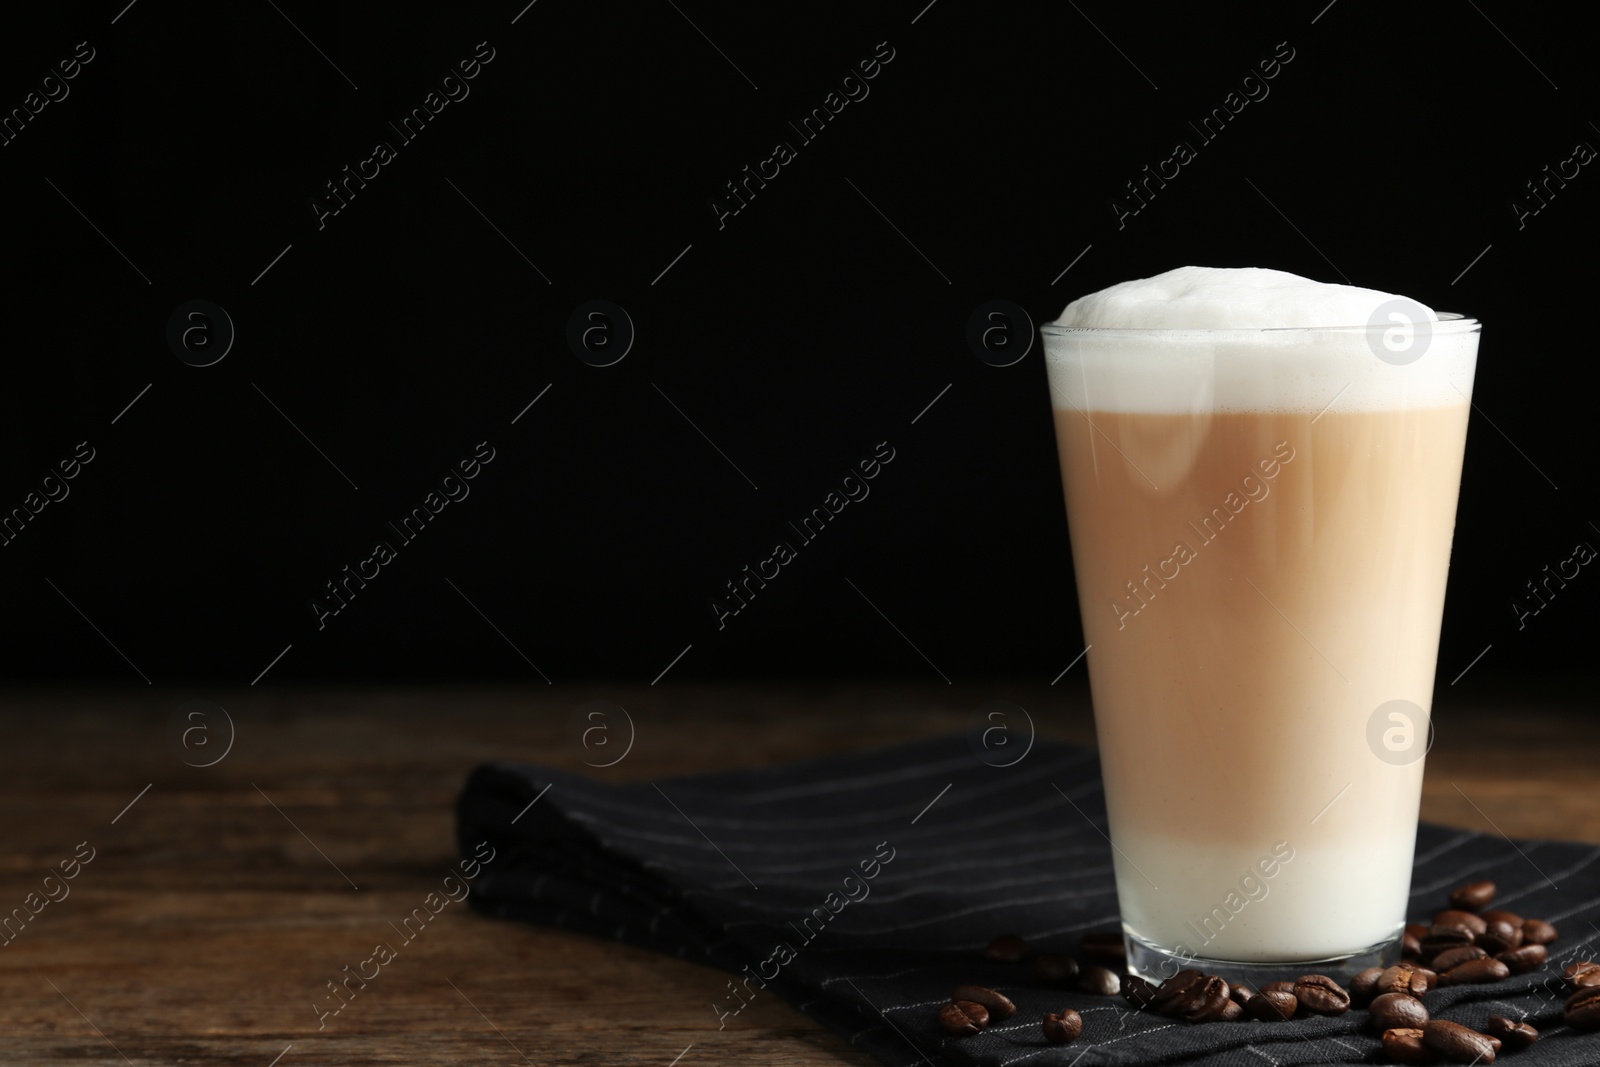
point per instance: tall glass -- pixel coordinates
(1261, 524)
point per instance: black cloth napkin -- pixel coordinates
(862, 888)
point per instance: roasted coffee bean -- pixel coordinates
(1451, 957)
(1585, 974)
(1524, 960)
(1242, 994)
(1537, 932)
(1475, 971)
(1099, 981)
(1231, 1012)
(1321, 995)
(1059, 1028)
(1397, 1010)
(1007, 948)
(1500, 937)
(999, 1005)
(1171, 992)
(1054, 969)
(963, 1017)
(1275, 1006)
(1108, 950)
(1513, 1035)
(1457, 1043)
(1418, 930)
(1582, 1010)
(1205, 1001)
(1137, 991)
(1497, 915)
(1402, 979)
(1410, 945)
(1278, 987)
(1457, 917)
(1364, 986)
(1430, 978)
(1405, 1046)
(1474, 896)
(1441, 938)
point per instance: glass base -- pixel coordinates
(1155, 964)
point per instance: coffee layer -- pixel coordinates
(1255, 587)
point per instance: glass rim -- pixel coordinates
(1456, 323)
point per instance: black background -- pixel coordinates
(796, 337)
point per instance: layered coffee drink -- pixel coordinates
(1261, 475)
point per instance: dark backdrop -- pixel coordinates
(774, 347)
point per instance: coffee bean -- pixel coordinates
(1500, 937)
(1106, 949)
(1278, 987)
(1137, 991)
(1475, 971)
(1430, 978)
(1584, 974)
(1513, 1035)
(1243, 994)
(1451, 930)
(998, 1004)
(1402, 979)
(1474, 896)
(1451, 957)
(1524, 960)
(1411, 939)
(1441, 938)
(1397, 1010)
(1099, 981)
(1272, 1006)
(1171, 992)
(1321, 995)
(1537, 932)
(1054, 969)
(1364, 986)
(1205, 1001)
(1456, 917)
(1498, 915)
(1582, 1010)
(963, 1017)
(1231, 1012)
(1059, 1028)
(1007, 948)
(1405, 1046)
(1457, 1043)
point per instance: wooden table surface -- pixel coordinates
(219, 904)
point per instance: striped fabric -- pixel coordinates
(862, 888)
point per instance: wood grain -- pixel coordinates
(209, 920)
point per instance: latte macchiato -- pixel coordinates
(1261, 476)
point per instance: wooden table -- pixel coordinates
(221, 901)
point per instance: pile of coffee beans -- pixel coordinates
(1466, 943)
(1196, 997)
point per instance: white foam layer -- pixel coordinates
(1229, 298)
(1200, 339)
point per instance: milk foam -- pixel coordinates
(1252, 339)
(1213, 298)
